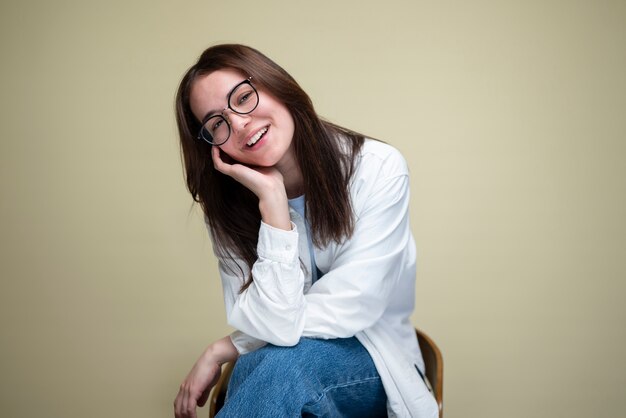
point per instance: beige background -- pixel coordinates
(510, 114)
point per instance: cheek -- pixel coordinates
(287, 122)
(228, 153)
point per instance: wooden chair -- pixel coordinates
(432, 358)
(434, 366)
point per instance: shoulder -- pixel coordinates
(381, 174)
(378, 159)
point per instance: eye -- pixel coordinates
(217, 124)
(244, 98)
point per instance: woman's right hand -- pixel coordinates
(195, 389)
(266, 183)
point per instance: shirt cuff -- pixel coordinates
(277, 244)
(245, 343)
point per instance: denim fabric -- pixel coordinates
(315, 378)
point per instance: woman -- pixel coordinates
(310, 225)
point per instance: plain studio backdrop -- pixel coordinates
(511, 115)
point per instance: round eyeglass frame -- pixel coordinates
(221, 115)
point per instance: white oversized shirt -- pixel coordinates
(367, 289)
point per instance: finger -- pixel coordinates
(235, 170)
(178, 403)
(183, 403)
(190, 408)
(217, 159)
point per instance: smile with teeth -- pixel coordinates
(256, 137)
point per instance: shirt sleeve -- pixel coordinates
(271, 308)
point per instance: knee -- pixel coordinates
(285, 362)
(279, 355)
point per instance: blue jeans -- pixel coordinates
(315, 378)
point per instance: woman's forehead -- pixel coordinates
(211, 91)
(219, 81)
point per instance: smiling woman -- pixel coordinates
(310, 225)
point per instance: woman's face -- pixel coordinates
(270, 119)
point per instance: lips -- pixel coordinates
(255, 138)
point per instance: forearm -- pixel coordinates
(221, 351)
(269, 309)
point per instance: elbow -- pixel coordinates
(285, 334)
(283, 337)
(283, 331)
(284, 340)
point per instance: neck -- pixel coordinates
(294, 185)
(292, 177)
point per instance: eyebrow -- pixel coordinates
(215, 111)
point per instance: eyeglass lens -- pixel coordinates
(243, 100)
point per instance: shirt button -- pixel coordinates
(288, 247)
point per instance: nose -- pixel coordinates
(238, 121)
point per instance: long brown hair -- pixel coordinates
(325, 153)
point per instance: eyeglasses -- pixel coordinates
(242, 99)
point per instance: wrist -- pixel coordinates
(275, 211)
(220, 352)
